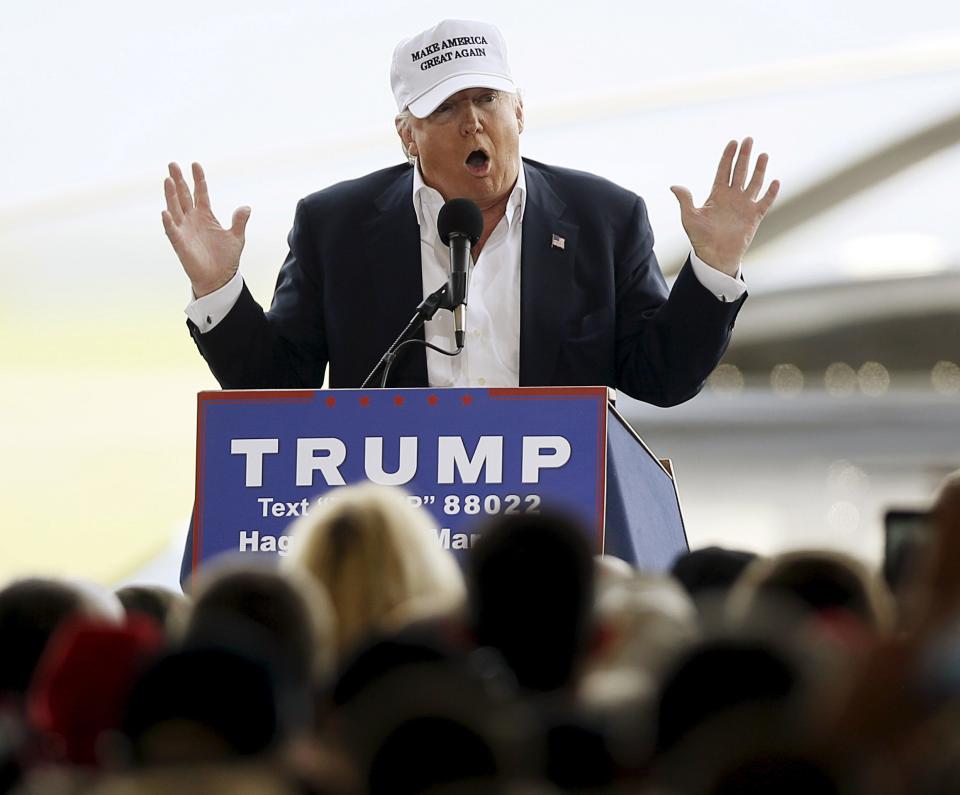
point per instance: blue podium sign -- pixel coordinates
(264, 457)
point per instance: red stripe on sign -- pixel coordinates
(245, 395)
(558, 393)
(198, 493)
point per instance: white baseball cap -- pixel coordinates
(449, 57)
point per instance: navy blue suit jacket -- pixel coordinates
(596, 311)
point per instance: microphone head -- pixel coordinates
(460, 218)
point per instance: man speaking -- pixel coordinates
(564, 288)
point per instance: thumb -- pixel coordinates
(684, 197)
(239, 223)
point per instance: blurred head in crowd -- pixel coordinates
(735, 759)
(643, 622)
(382, 656)
(290, 610)
(720, 677)
(610, 573)
(30, 612)
(530, 581)
(252, 778)
(416, 719)
(939, 573)
(155, 601)
(458, 754)
(710, 571)
(784, 774)
(827, 586)
(82, 683)
(211, 704)
(374, 552)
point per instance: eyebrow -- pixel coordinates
(482, 92)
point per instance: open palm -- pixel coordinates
(210, 254)
(722, 229)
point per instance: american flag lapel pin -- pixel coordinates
(557, 242)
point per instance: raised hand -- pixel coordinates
(209, 253)
(722, 229)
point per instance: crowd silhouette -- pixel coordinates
(368, 661)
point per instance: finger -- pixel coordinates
(743, 163)
(239, 223)
(200, 187)
(183, 190)
(756, 181)
(726, 163)
(684, 197)
(168, 225)
(769, 196)
(173, 202)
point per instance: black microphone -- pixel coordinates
(460, 225)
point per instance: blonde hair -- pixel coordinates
(373, 552)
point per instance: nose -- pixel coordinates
(470, 122)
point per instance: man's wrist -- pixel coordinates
(208, 310)
(718, 261)
(725, 288)
(201, 290)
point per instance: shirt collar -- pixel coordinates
(427, 201)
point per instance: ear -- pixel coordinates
(406, 137)
(518, 108)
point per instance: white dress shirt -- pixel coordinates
(491, 355)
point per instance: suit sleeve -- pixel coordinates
(284, 347)
(666, 345)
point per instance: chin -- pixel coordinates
(485, 189)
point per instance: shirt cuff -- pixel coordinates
(209, 310)
(725, 288)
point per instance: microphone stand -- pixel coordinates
(439, 299)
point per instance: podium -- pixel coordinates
(264, 458)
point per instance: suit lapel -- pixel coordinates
(547, 255)
(392, 238)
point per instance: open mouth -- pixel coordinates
(478, 161)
